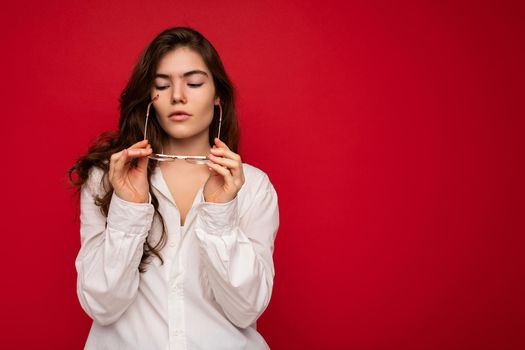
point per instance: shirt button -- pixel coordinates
(178, 332)
(173, 243)
(177, 288)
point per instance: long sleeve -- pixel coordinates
(237, 251)
(110, 253)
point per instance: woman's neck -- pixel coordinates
(197, 145)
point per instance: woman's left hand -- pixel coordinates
(226, 178)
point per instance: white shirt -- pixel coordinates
(215, 282)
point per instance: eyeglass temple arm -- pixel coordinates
(147, 115)
(220, 121)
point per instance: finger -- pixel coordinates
(140, 144)
(127, 155)
(225, 153)
(119, 164)
(138, 152)
(228, 178)
(112, 163)
(229, 163)
(234, 166)
(237, 171)
(142, 164)
(220, 144)
(142, 155)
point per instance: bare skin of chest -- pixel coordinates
(184, 181)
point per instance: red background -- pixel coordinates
(392, 132)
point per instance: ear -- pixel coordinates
(217, 101)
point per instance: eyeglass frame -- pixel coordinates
(172, 157)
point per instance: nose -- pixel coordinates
(177, 95)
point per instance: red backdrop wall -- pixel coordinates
(392, 132)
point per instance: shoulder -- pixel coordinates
(97, 181)
(255, 180)
(257, 190)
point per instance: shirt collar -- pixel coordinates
(158, 182)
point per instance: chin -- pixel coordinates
(181, 135)
(184, 134)
(185, 131)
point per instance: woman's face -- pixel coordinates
(184, 83)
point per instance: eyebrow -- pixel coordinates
(191, 72)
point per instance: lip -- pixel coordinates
(179, 117)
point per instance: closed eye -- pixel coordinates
(190, 85)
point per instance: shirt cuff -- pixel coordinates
(135, 218)
(219, 218)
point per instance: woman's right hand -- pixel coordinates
(131, 184)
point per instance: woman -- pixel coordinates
(174, 254)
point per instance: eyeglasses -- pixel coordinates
(171, 157)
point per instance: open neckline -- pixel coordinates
(160, 183)
(167, 192)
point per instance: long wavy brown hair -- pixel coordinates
(133, 103)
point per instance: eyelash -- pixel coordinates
(194, 86)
